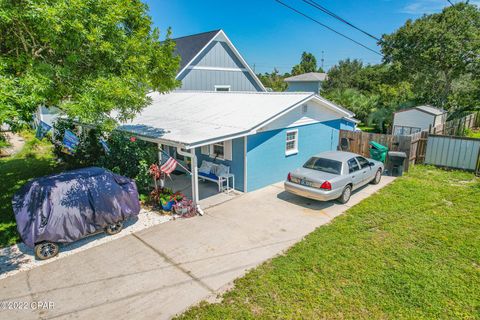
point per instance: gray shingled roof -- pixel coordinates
(311, 76)
(187, 47)
(431, 110)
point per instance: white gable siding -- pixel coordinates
(413, 118)
(313, 113)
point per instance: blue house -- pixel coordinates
(222, 114)
(260, 136)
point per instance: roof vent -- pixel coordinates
(304, 109)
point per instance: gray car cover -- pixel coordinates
(68, 206)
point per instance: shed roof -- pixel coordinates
(427, 109)
(193, 118)
(310, 76)
(431, 110)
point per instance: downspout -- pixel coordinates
(194, 174)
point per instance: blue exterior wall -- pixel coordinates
(236, 165)
(217, 54)
(304, 86)
(347, 125)
(266, 159)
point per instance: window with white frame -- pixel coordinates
(222, 88)
(291, 146)
(218, 150)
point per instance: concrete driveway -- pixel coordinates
(161, 271)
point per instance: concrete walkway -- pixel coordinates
(161, 271)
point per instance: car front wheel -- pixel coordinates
(378, 177)
(347, 192)
(46, 250)
(114, 228)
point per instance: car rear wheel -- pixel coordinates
(114, 228)
(46, 250)
(378, 177)
(347, 192)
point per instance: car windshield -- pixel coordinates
(325, 165)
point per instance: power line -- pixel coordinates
(329, 28)
(330, 13)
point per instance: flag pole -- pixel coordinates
(190, 173)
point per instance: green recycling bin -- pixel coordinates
(378, 152)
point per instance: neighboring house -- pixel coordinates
(261, 136)
(47, 115)
(210, 62)
(307, 82)
(413, 120)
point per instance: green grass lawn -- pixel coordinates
(474, 133)
(366, 128)
(35, 160)
(412, 251)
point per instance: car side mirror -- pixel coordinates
(371, 164)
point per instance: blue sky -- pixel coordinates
(269, 35)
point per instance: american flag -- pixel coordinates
(169, 166)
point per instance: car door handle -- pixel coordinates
(353, 176)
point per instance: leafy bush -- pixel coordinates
(89, 151)
(128, 156)
(3, 141)
(143, 178)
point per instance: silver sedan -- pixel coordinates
(333, 175)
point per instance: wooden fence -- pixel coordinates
(421, 145)
(359, 143)
(453, 152)
(457, 127)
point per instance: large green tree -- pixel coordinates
(273, 80)
(88, 58)
(308, 63)
(343, 75)
(437, 53)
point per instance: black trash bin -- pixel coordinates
(396, 160)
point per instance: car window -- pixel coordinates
(363, 162)
(325, 165)
(352, 165)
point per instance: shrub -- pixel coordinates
(128, 156)
(89, 151)
(127, 153)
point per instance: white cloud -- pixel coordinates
(430, 6)
(424, 6)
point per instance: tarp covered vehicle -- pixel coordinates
(66, 207)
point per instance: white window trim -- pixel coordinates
(295, 150)
(223, 87)
(227, 150)
(212, 154)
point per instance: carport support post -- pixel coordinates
(194, 177)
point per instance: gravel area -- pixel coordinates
(19, 257)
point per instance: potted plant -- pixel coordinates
(166, 202)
